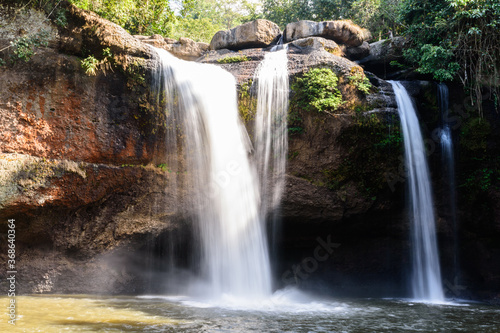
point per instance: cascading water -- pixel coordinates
(448, 162)
(201, 102)
(271, 137)
(270, 127)
(426, 275)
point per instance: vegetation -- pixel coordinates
(447, 40)
(91, 65)
(24, 47)
(359, 80)
(233, 59)
(455, 39)
(316, 90)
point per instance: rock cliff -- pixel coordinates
(83, 168)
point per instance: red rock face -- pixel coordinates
(51, 109)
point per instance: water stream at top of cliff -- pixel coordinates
(271, 137)
(201, 108)
(426, 272)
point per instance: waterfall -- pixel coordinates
(426, 275)
(271, 137)
(202, 116)
(448, 163)
(271, 140)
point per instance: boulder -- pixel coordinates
(342, 31)
(258, 33)
(357, 52)
(88, 32)
(381, 54)
(184, 48)
(317, 43)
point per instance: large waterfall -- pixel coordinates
(201, 108)
(426, 275)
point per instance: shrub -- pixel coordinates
(317, 90)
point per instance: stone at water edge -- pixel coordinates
(254, 34)
(342, 31)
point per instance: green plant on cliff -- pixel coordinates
(358, 79)
(90, 64)
(316, 90)
(246, 102)
(24, 47)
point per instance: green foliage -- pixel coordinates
(283, 12)
(316, 90)
(359, 80)
(479, 180)
(455, 39)
(60, 18)
(90, 65)
(136, 16)
(380, 17)
(164, 167)
(24, 47)
(247, 103)
(435, 60)
(233, 59)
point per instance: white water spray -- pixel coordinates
(201, 108)
(271, 127)
(426, 280)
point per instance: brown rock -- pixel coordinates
(318, 43)
(357, 52)
(258, 33)
(185, 48)
(342, 32)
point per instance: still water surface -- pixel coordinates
(283, 313)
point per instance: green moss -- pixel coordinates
(247, 103)
(233, 59)
(316, 90)
(373, 144)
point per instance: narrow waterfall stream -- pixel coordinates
(426, 273)
(448, 163)
(271, 137)
(225, 192)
